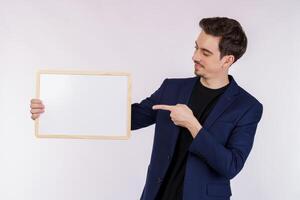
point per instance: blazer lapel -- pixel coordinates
(186, 91)
(183, 98)
(224, 101)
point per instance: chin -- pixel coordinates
(197, 73)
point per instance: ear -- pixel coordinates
(228, 61)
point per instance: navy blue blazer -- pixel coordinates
(217, 153)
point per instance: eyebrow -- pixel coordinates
(203, 49)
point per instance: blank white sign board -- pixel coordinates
(88, 105)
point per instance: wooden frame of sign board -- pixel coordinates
(84, 104)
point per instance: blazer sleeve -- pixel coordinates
(142, 114)
(229, 159)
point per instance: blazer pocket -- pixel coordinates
(218, 190)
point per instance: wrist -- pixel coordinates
(194, 127)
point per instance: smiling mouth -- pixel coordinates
(198, 66)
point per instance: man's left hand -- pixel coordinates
(183, 116)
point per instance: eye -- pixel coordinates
(205, 54)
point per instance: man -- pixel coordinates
(205, 125)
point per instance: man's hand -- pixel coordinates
(183, 116)
(37, 108)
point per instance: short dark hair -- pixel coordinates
(233, 38)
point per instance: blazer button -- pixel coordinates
(168, 157)
(159, 180)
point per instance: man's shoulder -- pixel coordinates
(247, 96)
(244, 94)
(178, 83)
(179, 80)
(182, 79)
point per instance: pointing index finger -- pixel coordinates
(163, 107)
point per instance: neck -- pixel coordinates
(215, 83)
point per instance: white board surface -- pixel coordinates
(92, 105)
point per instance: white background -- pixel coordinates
(152, 40)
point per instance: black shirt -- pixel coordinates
(202, 101)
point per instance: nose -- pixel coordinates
(196, 56)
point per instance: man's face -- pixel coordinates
(207, 57)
